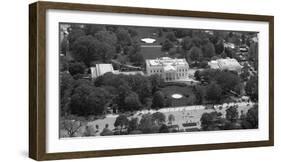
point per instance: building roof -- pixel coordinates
(104, 68)
(165, 61)
(169, 68)
(225, 64)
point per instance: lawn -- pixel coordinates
(188, 96)
(152, 52)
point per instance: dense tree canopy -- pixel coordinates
(88, 100)
(121, 121)
(159, 118)
(213, 92)
(252, 118)
(208, 50)
(232, 114)
(132, 102)
(158, 100)
(252, 88)
(89, 49)
(195, 53)
(76, 68)
(147, 124)
(167, 45)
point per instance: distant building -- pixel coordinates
(169, 69)
(225, 64)
(101, 69)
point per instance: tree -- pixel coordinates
(196, 41)
(252, 118)
(213, 92)
(107, 37)
(164, 129)
(81, 91)
(97, 101)
(64, 63)
(245, 73)
(92, 29)
(66, 86)
(123, 91)
(71, 126)
(167, 45)
(132, 102)
(228, 81)
(106, 131)
(208, 50)
(199, 94)
(88, 100)
(76, 68)
(180, 33)
(171, 119)
(187, 43)
(219, 47)
(147, 125)
(253, 51)
(141, 85)
(133, 124)
(229, 52)
(121, 121)
(158, 100)
(123, 38)
(74, 34)
(89, 49)
(156, 81)
(197, 75)
(137, 59)
(89, 131)
(159, 118)
(133, 32)
(64, 46)
(195, 53)
(210, 121)
(252, 88)
(171, 36)
(232, 114)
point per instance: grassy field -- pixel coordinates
(188, 95)
(151, 52)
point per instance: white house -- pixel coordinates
(169, 69)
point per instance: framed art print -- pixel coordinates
(111, 80)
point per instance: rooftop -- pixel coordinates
(228, 63)
(166, 61)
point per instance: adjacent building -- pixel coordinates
(101, 69)
(169, 69)
(225, 64)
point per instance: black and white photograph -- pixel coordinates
(134, 80)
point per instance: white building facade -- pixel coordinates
(101, 69)
(225, 64)
(169, 69)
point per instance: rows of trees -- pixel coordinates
(232, 119)
(148, 123)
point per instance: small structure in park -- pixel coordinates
(148, 40)
(169, 69)
(225, 64)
